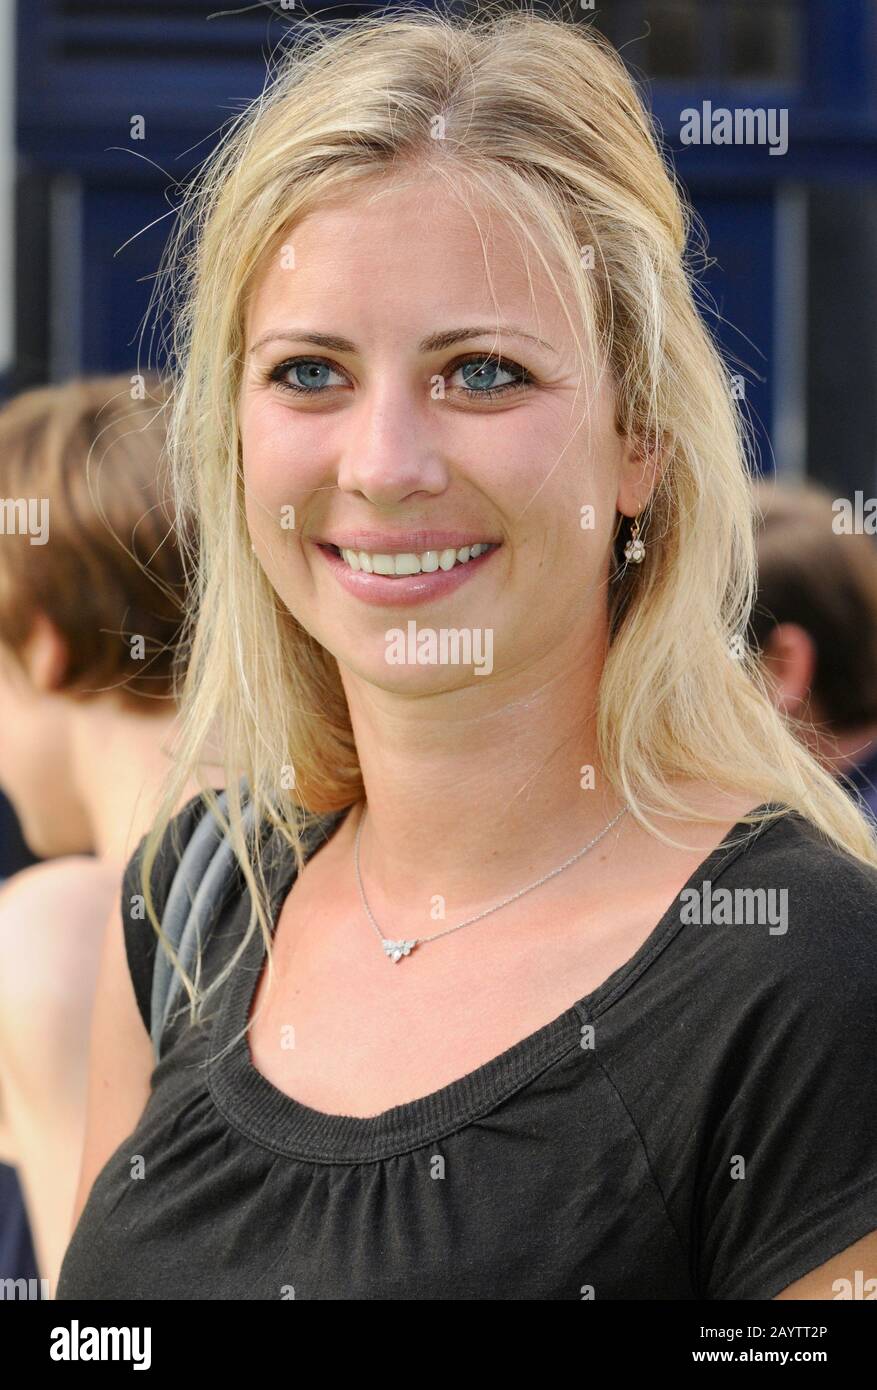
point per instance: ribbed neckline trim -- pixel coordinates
(254, 1106)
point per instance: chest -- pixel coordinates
(536, 1185)
(344, 1030)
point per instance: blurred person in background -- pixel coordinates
(815, 624)
(92, 592)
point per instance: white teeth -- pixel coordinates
(427, 563)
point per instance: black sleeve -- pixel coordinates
(745, 1058)
(141, 941)
(788, 1171)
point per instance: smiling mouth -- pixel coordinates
(409, 565)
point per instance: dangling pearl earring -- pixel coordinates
(635, 549)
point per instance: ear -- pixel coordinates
(789, 661)
(638, 473)
(45, 655)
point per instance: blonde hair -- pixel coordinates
(541, 118)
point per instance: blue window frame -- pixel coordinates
(85, 67)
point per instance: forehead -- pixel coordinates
(401, 258)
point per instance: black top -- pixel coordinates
(701, 1125)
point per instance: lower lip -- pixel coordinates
(407, 589)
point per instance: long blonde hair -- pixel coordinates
(540, 116)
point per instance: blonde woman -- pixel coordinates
(442, 381)
(91, 602)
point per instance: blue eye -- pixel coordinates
(309, 376)
(479, 375)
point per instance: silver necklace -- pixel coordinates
(397, 950)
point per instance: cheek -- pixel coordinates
(564, 534)
(265, 475)
(280, 470)
(270, 518)
(274, 511)
(261, 505)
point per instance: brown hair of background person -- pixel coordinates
(815, 620)
(114, 569)
(91, 612)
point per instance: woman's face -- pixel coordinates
(418, 428)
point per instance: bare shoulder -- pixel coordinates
(58, 887)
(710, 801)
(712, 814)
(51, 916)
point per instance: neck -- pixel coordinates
(473, 789)
(119, 762)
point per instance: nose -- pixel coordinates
(391, 450)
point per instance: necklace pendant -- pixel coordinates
(395, 950)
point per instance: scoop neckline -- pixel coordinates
(257, 1108)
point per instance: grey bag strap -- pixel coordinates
(203, 875)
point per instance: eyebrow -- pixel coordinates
(435, 342)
